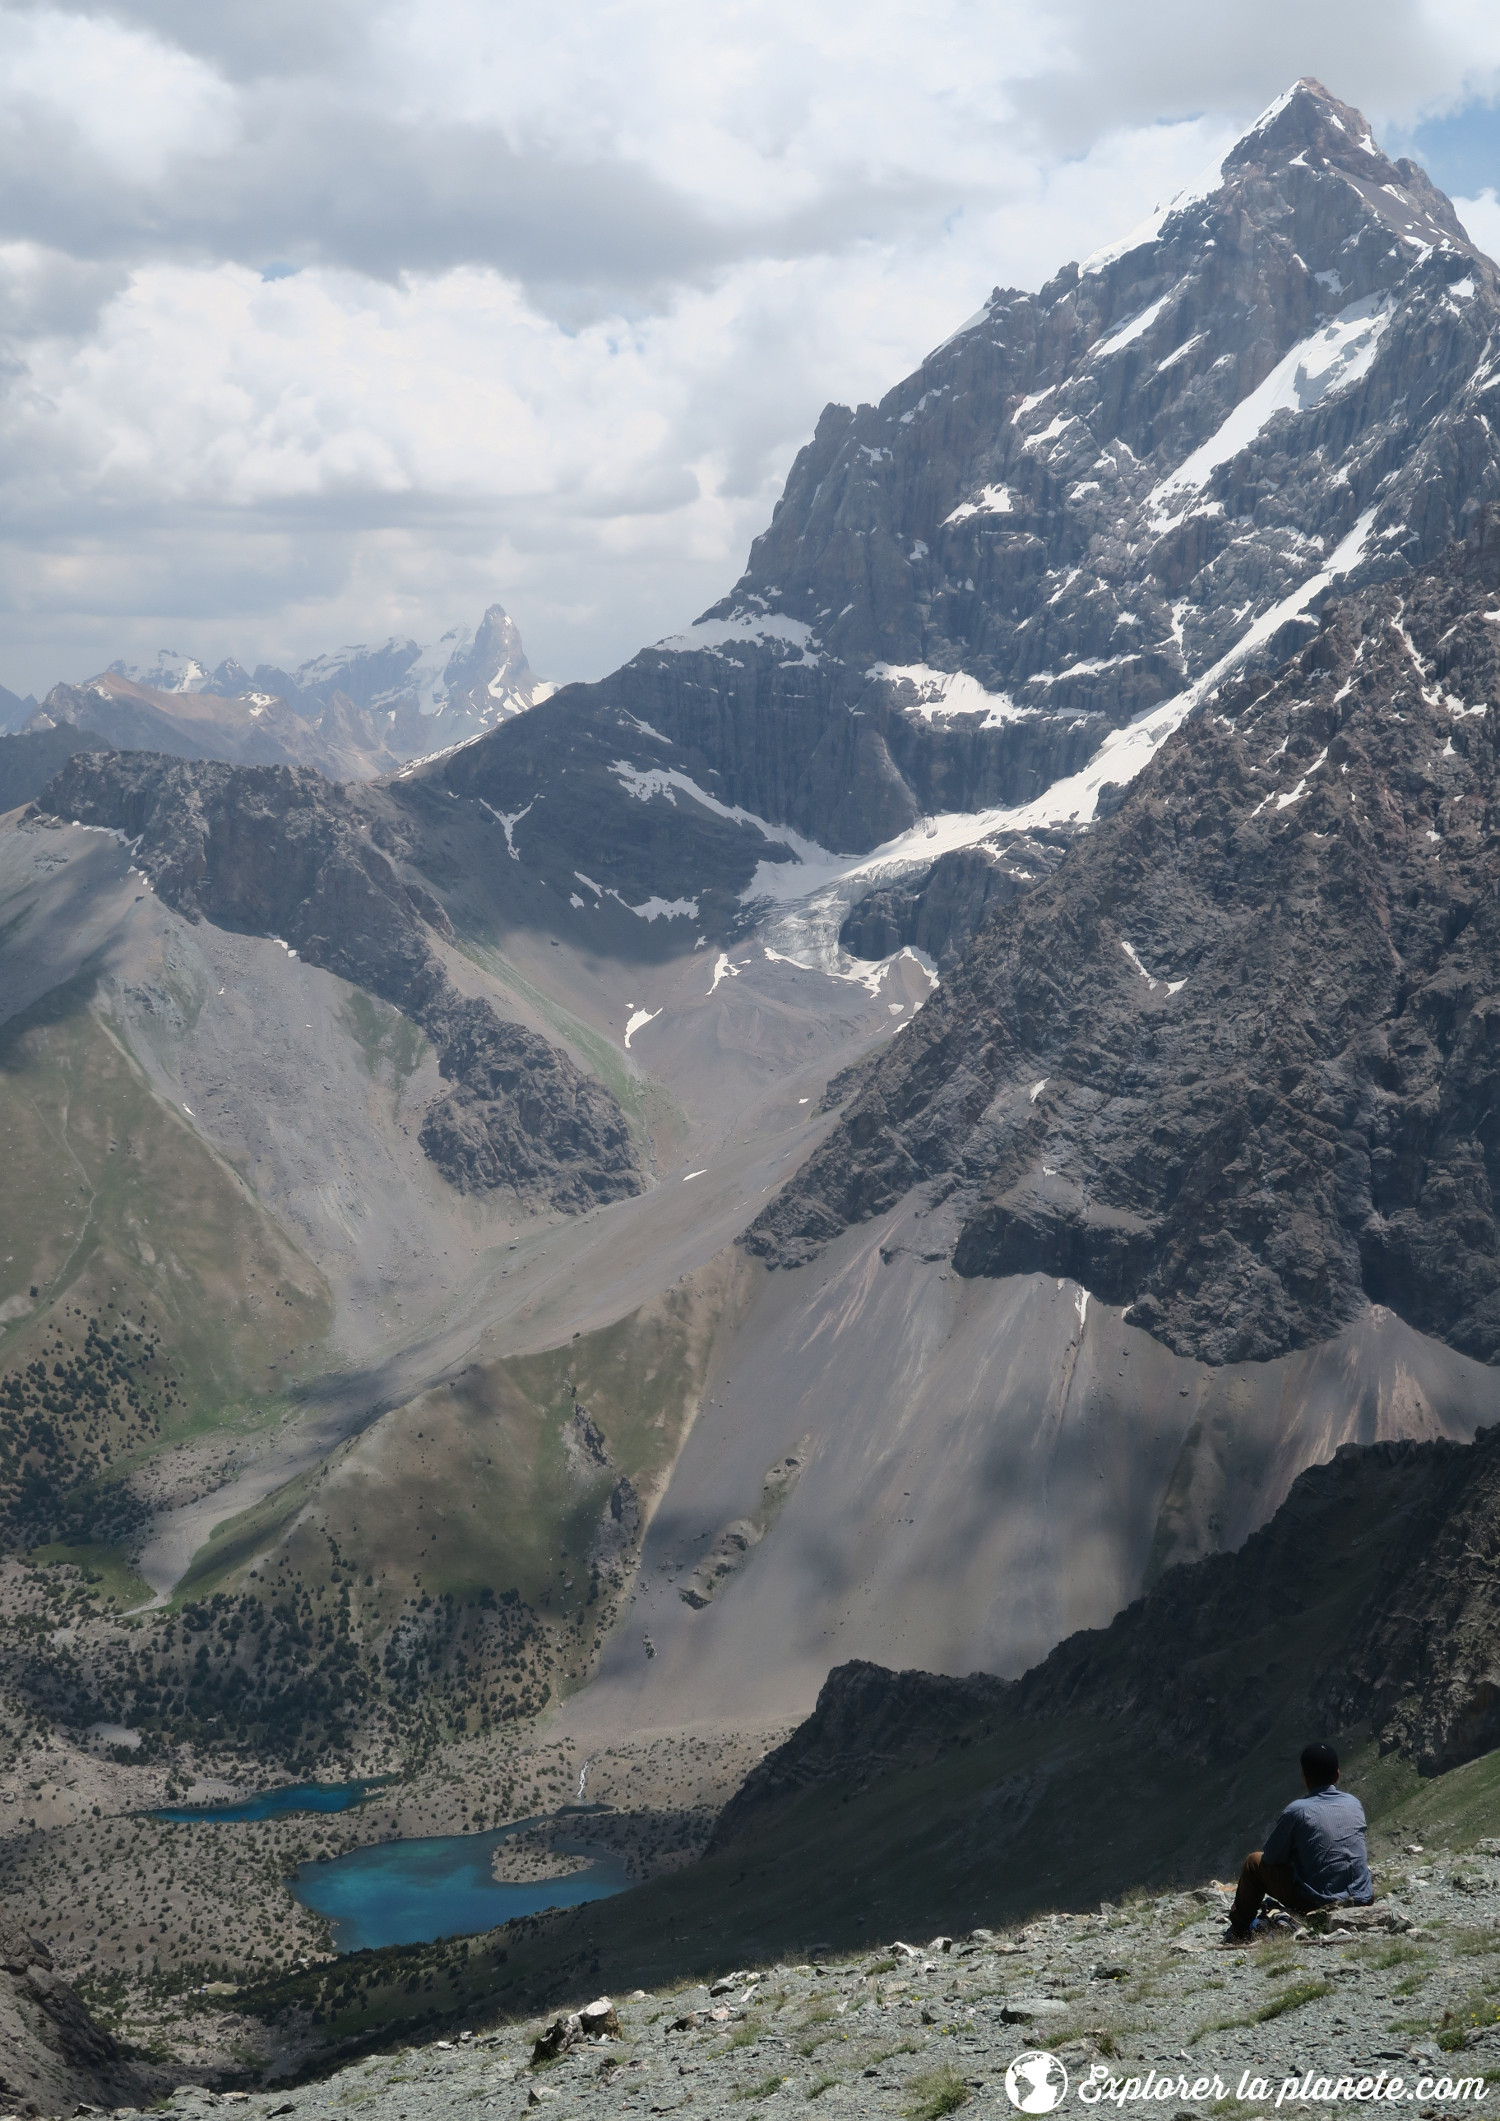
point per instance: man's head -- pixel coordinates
(1320, 1766)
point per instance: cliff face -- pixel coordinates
(279, 851)
(1235, 1064)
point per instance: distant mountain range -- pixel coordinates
(354, 714)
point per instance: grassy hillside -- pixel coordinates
(444, 1575)
(521, 1487)
(146, 1299)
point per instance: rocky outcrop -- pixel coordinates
(1235, 1065)
(1426, 1665)
(279, 851)
(938, 911)
(867, 1721)
(54, 2059)
(521, 1115)
(1382, 1567)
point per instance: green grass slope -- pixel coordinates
(146, 1298)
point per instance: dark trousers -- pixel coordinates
(1259, 1879)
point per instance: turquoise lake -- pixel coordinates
(270, 1804)
(410, 1892)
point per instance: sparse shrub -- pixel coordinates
(937, 2092)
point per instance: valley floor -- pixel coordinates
(145, 1914)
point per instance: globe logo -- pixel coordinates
(1036, 2082)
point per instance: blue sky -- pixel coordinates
(1460, 152)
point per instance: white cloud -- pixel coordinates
(1481, 219)
(134, 103)
(573, 284)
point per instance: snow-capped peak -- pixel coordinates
(171, 672)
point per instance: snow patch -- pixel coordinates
(1331, 360)
(944, 694)
(992, 501)
(1050, 432)
(743, 630)
(1132, 331)
(666, 909)
(510, 823)
(1182, 352)
(638, 1022)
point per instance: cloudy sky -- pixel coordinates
(326, 319)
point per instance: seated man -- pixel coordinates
(1315, 1853)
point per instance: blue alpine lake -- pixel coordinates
(410, 1892)
(270, 1804)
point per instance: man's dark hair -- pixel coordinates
(1320, 1764)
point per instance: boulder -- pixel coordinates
(596, 2021)
(562, 2034)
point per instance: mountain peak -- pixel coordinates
(1309, 129)
(1306, 115)
(1306, 136)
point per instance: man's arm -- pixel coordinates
(1281, 1839)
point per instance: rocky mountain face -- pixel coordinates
(997, 590)
(353, 715)
(1381, 1563)
(1235, 1064)
(938, 909)
(281, 852)
(54, 2059)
